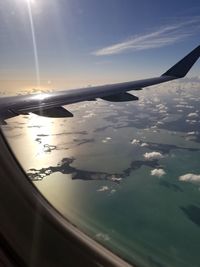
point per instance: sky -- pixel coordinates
(48, 44)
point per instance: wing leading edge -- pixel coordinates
(50, 104)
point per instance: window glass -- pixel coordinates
(127, 174)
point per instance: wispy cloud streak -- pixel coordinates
(164, 36)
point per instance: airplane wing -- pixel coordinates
(51, 104)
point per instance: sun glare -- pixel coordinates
(40, 125)
(30, 1)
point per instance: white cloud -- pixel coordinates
(138, 142)
(162, 108)
(164, 36)
(116, 179)
(190, 177)
(102, 236)
(193, 115)
(135, 142)
(153, 155)
(158, 172)
(103, 188)
(192, 133)
(106, 140)
(144, 144)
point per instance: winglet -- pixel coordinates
(181, 68)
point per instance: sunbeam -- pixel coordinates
(35, 51)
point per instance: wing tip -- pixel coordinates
(182, 67)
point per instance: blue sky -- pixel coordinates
(80, 42)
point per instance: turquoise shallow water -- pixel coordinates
(142, 219)
(115, 171)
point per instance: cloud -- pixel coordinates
(144, 144)
(102, 236)
(103, 189)
(192, 133)
(135, 142)
(190, 177)
(162, 108)
(115, 179)
(166, 35)
(106, 140)
(158, 172)
(138, 142)
(191, 121)
(153, 155)
(193, 115)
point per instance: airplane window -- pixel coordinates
(126, 173)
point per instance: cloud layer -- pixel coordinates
(164, 36)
